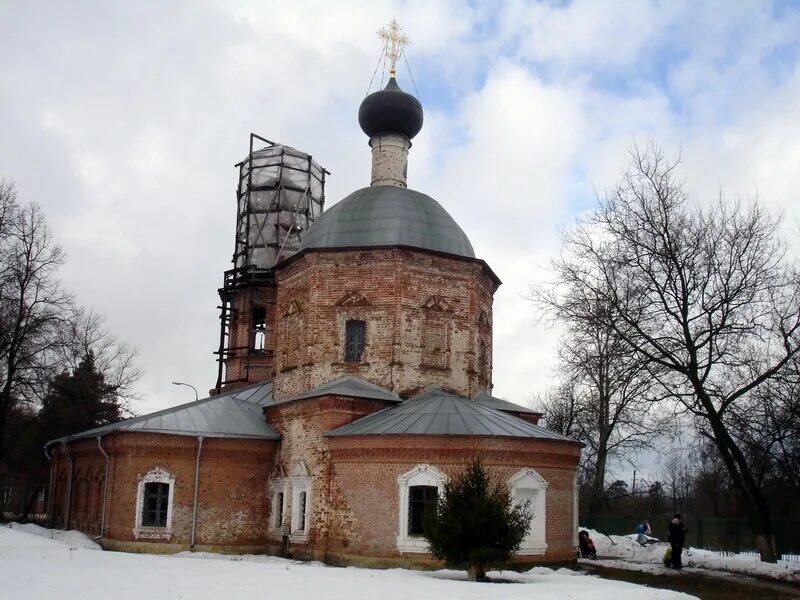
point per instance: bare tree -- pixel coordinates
(609, 388)
(706, 296)
(33, 307)
(87, 334)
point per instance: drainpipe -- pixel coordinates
(105, 489)
(49, 521)
(196, 488)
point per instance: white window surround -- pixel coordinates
(278, 486)
(419, 475)
(527, 484)
(155, 475)
(301, 482)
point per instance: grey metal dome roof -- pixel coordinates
(386, 215)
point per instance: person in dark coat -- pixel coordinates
(677, 538)
(586, 545)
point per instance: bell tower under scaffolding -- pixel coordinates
(280, 192)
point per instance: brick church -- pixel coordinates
(355, 377)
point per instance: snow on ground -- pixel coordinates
(633, 556)
(71, 538)
(35, 567)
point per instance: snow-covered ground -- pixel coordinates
(627, 553)
(37, 567)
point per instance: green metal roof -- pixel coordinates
(238, 414)
(436, 412)
(385, 215)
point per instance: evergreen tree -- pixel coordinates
(476, 525)
(79, 400)
(74, 402)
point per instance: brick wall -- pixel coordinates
(244, 365)
(302, 425)
(394, 291)
(365, 472)
(232, 508)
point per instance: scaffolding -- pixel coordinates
(281, 191)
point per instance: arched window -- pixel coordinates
(258, 329)
(154, 499)
(301, 503)
(418, 491)
(528, 486)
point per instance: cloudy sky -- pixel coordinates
(124, 120)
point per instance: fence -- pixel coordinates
(711, 533)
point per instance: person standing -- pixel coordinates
(642, 532)
(677, 538)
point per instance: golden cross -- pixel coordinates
(395, 41)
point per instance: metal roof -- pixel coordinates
(237, 414)
(385, 215)
(260, 393)
(436, 412)
(504, 405)
(348, 385)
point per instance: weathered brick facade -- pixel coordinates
(401, 294)
(231, 515)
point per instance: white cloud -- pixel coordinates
(125, 121)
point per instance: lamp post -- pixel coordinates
(196, 397)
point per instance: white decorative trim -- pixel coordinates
(301, 482)
(419, 475)
(155, 475)
(527, 484)
(277, 486)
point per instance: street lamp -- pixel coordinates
(196, 397)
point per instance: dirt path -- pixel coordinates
(706, 585)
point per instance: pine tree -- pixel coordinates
(476, 525)
(74, 402)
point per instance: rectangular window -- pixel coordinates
(278, 509)
(156, 504)
(421, 498)
(5, 494)
(355, 339)
(301, 512)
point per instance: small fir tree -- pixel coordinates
(476, 525)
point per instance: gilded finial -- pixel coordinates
(395, 42)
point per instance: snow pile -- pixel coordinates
(33, 567)
(72, 538)
(631, 553)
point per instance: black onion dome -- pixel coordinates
(390, 110)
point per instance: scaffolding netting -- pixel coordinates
(281, 191)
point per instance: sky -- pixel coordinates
(124, 120)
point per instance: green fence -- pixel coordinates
(711, 533)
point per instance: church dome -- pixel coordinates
(390, 110)
(388, 216)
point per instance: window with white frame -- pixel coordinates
(278, 504)
(527, 486)
(418, 491)
(301, 503)
(154, 500)
(5, 494)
